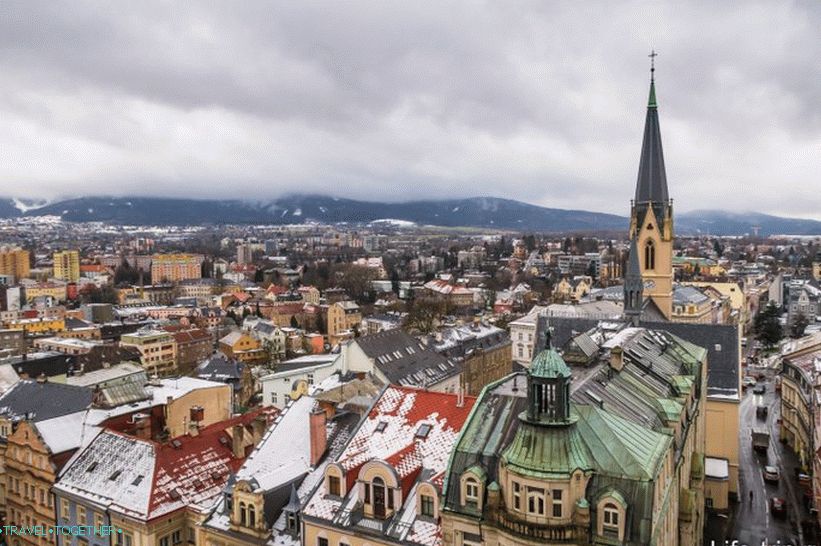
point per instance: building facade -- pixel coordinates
(67, 265)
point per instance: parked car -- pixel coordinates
(760, 388)
(771, 474)
(761, 412)
(749, 381)
(804, 481)
(778, 506)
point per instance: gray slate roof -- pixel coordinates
(40, 401)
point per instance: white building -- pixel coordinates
(295, 377)
(523, 336)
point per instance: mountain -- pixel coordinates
(472, 212)
(721, 222)
(481, 212)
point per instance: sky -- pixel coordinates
(542, 102)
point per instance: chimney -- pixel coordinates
(237, 446)
(142, 422)
(616, 358)
(319, 438)
(258, 425)
(194, 428)
(460, 396)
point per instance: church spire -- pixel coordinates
(633, 286)
(651, 186)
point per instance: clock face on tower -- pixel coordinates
(649, 284)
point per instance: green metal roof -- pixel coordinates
(598, 441)
(549, 365)
(651, 103)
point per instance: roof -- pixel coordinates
(549, 365)
(411, 430)
(682, 295)
(145, 479)
(403, 360)
(35, 401)
(104, 375)
(651, 185)
(219, 367)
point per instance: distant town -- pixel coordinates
(345, 384)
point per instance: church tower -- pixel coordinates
(651, 214)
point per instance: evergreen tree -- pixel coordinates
(767, 327)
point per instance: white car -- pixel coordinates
(771, 474)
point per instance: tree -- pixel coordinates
(294, 322)
(799, 324)
(767, 327)
(423, 314)
(125, 274)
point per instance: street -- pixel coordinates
(752, 522)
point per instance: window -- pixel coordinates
(321, 541)
(517, 496)
(381, 426)
(367, 493)
(81, 515)
(310, 379)
(557, 503)
(423, 430)
(333, 485)
(427, 506)
(611, 515)
(535, 501)
(164, 541)
(176, 537)
(243, 517)
(98, 520)
(252, 516)
(192, 535)
(64, 509)
(273, 398)
(471, 491)
(649, 255)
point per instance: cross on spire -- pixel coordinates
(652, 56)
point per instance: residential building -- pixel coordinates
(263, 504)
(222, 369)
(153, 493)
(297, 376)
(158, 353)
(457, 297)
(523, 336)
(572, 289)
(12, 343)
(395, 357)
(243, 347)
(800, 399)
(55, 290)
(193, 345)
(67, 265)
(626, 464)
(344, 320)
(14, 262)
(385, 486)
(176, 267)
(483, 350)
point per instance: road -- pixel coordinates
(753, 522)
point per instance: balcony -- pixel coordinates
(554, 534)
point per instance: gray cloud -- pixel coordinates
(542, 102)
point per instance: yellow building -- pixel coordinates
(158, 352)
(56, 290)
(67, 265)
(243, 347)
(37, 325)
(799, 402)
(14, 261)
(175, 267)
(344, 318)
(572, 290)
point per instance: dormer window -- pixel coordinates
(381, 426)
(535, 501)
(610, 521)
(333, 485)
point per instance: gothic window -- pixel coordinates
(649, 255)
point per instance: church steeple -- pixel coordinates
(651, 186)
(651, 221)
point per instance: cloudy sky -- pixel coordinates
(538, 101)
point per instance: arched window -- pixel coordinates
(243, 518)
(610, 519)
(471, 490)
(535, 501)
(649, 255)
(252, 516)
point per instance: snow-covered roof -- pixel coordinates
(414, 432)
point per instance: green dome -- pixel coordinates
(549, 365)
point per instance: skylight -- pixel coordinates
(423, 430)
(381, 426)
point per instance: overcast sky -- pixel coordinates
(538, 101)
